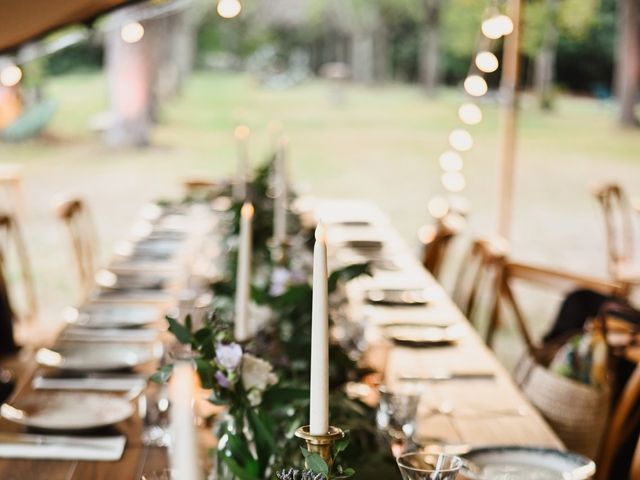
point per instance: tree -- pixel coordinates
(627, 67)
(429, 61)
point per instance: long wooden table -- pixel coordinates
(470, 398)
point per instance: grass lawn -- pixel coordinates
(382, 144)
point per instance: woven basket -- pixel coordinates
(577, 412)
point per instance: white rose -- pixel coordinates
(256, 373)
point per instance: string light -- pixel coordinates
(491, 28)
(438, 207)
(229, 8)
(451, 161)
(10, 75)
(132, 32)
(475, 85)
(460, 140)
(486, 62)
(470, 114)
(453, 181)
(505, 24)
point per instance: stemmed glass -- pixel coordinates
(426, 466)
(396, 415)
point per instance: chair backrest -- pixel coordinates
(555, 280)
(436, 239)
(199, 187)
(635, 463)
(476, 288)
(11, 235)
(618, 218)
(74, 213)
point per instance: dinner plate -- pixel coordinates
(427, 335)
(529, 463)
(114, 316)
(397, 297)
(128, 281)
(97, 356)
(67, 410)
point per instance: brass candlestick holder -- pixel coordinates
(321, 444)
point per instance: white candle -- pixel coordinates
(319, 404)
(281, 195)
(241, 133)
(242, 330)
(184, 445)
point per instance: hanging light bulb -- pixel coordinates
(10, 75)
(229, 8)
(475, 85)
(451, 161)
(438, 207)
(470, 114)
(460, 140)
(453, 181)
(492, 28)
(486, 62)
(504, 24)
(132, 32)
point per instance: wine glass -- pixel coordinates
(426, 466)
(396, 415)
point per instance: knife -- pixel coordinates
(26, 439)
(445, 375)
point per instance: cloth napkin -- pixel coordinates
(57, 447)
(99, 383)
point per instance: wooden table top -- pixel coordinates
(511, 419)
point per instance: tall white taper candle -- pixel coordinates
(184, 445)
(241, 133)
(243, 275)
(319, 404)
(281, 194)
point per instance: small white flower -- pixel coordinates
(256, 373)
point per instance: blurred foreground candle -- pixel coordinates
(281, 194)
(241, 133)
(184, 445)
(319, 404)
(243, 275)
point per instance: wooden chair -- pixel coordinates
(436, 239)
(75, 215)
(11, 188)
(635, 463)
(199, 187)
(477, 286)
(550, 279)
(619, 227)
(11, 236)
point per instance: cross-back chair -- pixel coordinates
(11, 238)
(75, 215)
(476, 288)
(436, 239)
(199, 187)
(619, 220)
(11, 188)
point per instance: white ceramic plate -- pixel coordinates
(115, 316)
(397, 297)
(418, 335)
(95, 356)
(530, 463)
(67, 410)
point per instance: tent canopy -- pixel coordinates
(25, 20)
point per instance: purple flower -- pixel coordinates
(222, 380)
(279, 280)
(228, 356)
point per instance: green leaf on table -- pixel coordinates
(162, 375)
(341, 444)
(181, 332)
(348, 472)
(206, 371)
(348, 273)
(265, 443)
(317, 464)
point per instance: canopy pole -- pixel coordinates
(508, 119)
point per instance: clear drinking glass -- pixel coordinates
(396, 415)
(427, 466)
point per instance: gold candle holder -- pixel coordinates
(321, 444)
(279, 251)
